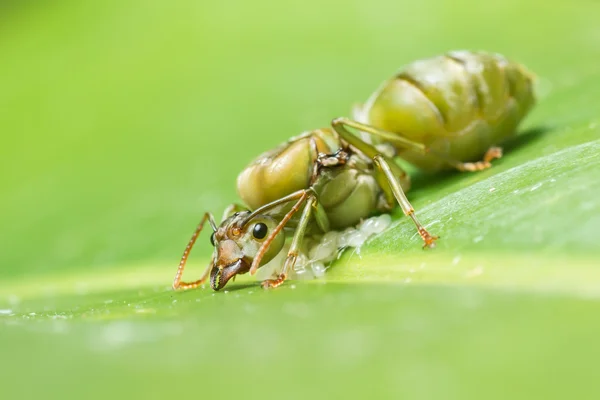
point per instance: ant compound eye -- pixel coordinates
(212, 239)
(260, 231)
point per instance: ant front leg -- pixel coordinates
(177, 282)
(292, 255)
(308, 200)
(391, 173)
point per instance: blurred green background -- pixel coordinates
(122, 122)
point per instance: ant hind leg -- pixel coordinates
(491, 154)
(389, 171)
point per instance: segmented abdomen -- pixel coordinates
(458, 104)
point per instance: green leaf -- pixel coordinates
(122, 123)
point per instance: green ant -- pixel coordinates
(445, 112)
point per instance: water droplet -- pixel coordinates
(477, 239)
(5, 311)
(536, 186)
(492, 189)
(145, 311)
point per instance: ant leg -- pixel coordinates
(398, 140)
(292, 255)
(391, 171)
(491, 154)
(408, 209)
(300, 196)
(177, 283)
(276, 203)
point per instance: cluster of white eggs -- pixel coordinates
(314, 261)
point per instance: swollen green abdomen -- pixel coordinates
(458, 104)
